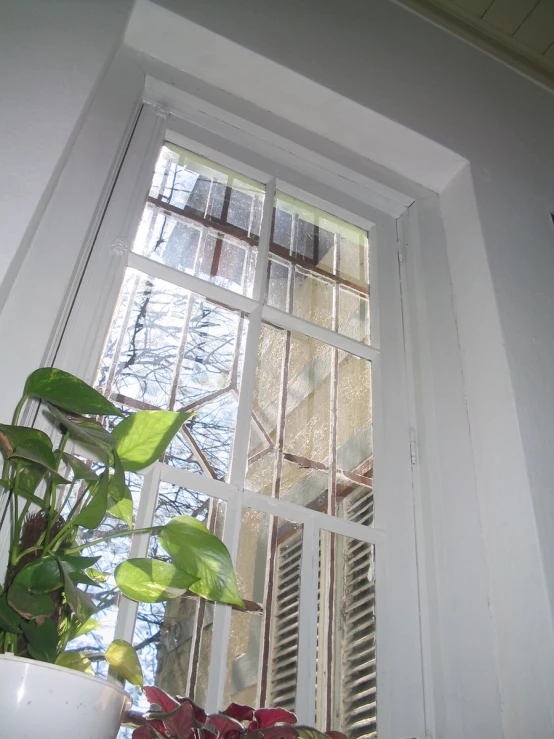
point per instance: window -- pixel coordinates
(247, 301)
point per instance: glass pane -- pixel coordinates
(170, 348)
(174, 638)
(319, 268)
(311, 431)
(346, 694)
(113, 552)
(263, 645)
(202, 219)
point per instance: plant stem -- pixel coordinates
(18, 409)
(50, 499)
(127, 532)
(17, 520)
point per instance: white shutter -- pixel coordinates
(284, 652)
(357, 627)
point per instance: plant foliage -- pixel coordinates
(55, 499)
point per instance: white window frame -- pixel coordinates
(401, 703)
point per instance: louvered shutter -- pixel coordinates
(284, 654)
(357, 626)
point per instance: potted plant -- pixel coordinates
(180, 718)
(53, 498)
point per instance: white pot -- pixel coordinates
(43, 701)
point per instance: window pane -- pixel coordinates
(346, 694)
(174, 638)
(319, 268)
(202, 219)
(170, 348)
(311, 430)
(263, 645)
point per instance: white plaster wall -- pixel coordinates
(53, 54)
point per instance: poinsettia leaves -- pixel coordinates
(42, 575)
(158, 697)
(182, 721)
(27, 604)
(142, 438)
(9, 619)
(265, 717)
(225, 726)
(42, 639)
(68, 392)
(92, 514)
(122, 658)
(196, 550)
(239, 712)
(151, 580)
(75, 660)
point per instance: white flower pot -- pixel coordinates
(43, 701)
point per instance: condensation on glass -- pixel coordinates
(172, 349)
(311, 430)
(319, 268)
(202, 219)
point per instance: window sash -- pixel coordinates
(80, 352)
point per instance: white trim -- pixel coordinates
(280, 150)
(307, 627)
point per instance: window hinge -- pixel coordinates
(413, 447)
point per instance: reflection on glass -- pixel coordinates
(319, 268)
(203, 219)
(170, 348)
(311, 430)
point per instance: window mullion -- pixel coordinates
(260, 278)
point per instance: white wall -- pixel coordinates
(490, 296)
(53, 54)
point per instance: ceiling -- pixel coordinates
(520, 32)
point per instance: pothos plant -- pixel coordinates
(55, 500)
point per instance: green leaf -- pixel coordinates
(76, 562)
(29, 480)
(88, 432)
(9, 619)
(92, 514)
(38, 454)
(41, 576)
(194, 549)
(122, 658)
(75, 661)
(81, 471)
(91, 624)
(118, 487)
(43, 639)
(68, 392)
(97, 576)
(14, 436)
(27, 604)
(151, 580)
(142, 438)
(79, 602)
(123, 508)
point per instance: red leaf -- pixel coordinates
(182, 723)
(199, 713)
(239, 712)
(161, 698)
(265, 717)
(279, 732)
(225, 726)
(143, 732)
